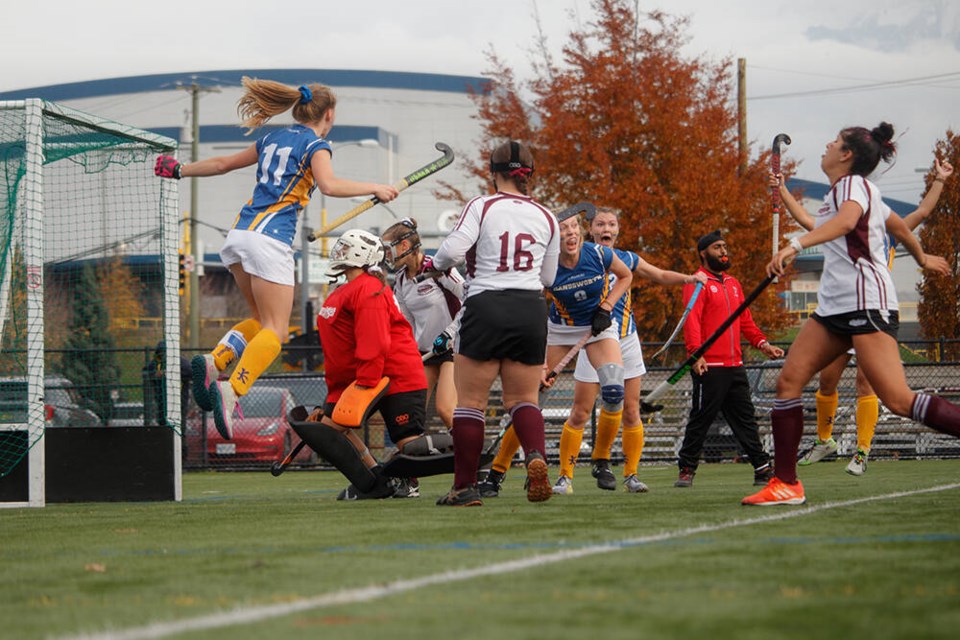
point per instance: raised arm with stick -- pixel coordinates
(427, 170)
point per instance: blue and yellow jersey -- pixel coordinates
(284, 182)
(622, 313)
(576, 293)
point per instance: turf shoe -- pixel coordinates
(762, 475)
(407, 488)
(489, 487)
(466, 497)
(563, 487)
(820, 450)
(685, 477)
(858, 463)
(777, 492)
(605, 478)
(385, 488)
(203, 374)
(632, 484)
(226, 408)
(538, 482)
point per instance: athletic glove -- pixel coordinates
(441, 344)
(601, 321)
(167, 167)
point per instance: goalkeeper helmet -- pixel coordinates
(355, 248)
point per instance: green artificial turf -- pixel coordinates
(887, 568)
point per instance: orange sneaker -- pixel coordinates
(538, 483)
(777, 492)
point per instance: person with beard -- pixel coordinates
(719, 378)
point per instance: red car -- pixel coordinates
(263, 435)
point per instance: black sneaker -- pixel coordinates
(385, 488)
(466, 497)
(407, 488)
(685, 479)
(605, 478)
(762, 475)
(489, 487)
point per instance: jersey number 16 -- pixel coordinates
(522, 259)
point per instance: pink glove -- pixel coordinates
(167, 167)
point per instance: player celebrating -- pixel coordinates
(868, 407)
(291, 163)
(856, 304)
(510, 243)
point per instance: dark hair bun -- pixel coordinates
(883, 134)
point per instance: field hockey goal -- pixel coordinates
(88, 268)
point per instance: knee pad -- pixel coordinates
(611, 386)
(333, 446)
(428, 444)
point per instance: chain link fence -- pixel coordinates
(264, 435)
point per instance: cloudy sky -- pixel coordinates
(813, 66)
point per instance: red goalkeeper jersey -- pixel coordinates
(365, 337)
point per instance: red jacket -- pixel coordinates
(365, 337)
(719, 297)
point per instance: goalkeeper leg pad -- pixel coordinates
(355, 404)
(334, 447)
(428, 444)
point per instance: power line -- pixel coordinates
(906, 82)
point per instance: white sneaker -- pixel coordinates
(203, 374)
(564, 486)
(858, 463)
(820, 450)
(225, 405)
(633, 485)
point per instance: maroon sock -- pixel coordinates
(787, 419)
(936, 413)
(528, 423)
(468, 428)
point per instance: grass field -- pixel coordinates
(246, 555)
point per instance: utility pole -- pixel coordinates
(742, 112)
(193, 301)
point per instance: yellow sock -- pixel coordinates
(260, 352)
(570, 440)
(509, 445)
(608, 424)
(826, 411)
(632, 449)
(233, 344)
(868, 412)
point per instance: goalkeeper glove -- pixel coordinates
(601, 321)
(441, 343)
(167, 167)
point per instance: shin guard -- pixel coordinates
(334, 447)
(509, 445)
(259, 354)
(232, 345)
(868, 413)
(826, 411)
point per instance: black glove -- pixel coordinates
(601, 321)
(441, 344)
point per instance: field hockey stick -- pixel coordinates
(445, 160)
(664, 386)
(581, 207)
(279, 466)
(781, 138)
(506, 422)
(683, 319)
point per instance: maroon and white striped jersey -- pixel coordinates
(429, 306)
(855, 272)
(508, 241)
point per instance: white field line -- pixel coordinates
(373, 592)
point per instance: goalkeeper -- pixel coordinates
(371, 364)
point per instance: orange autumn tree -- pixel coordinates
(627, 121)
(939, 306)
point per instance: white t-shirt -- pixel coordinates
(508, 241)
(855, 272)
(429, 306)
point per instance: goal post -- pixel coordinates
(88, 282)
